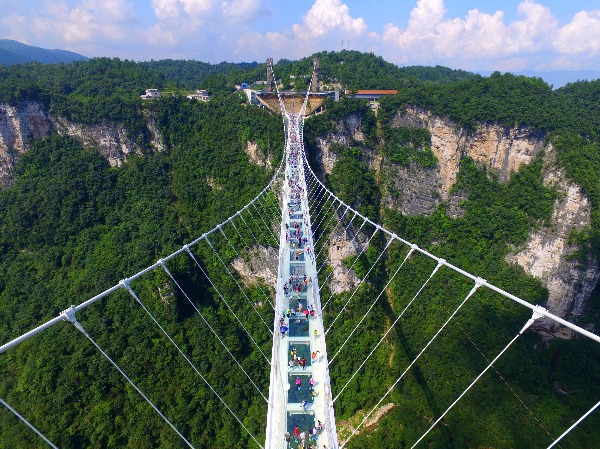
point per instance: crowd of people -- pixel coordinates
(296, 291)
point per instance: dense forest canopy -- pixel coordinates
(73, 226)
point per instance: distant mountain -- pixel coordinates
(13, 52)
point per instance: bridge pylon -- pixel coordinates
(300, 398)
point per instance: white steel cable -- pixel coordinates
(317, 198)
(191, 254)
(323, 196)
(386, 332)
(473, 290)
(31, 426)
(575, 424)
(238, 255)
(333, 215)
(507, 384)
(492, 287)
(331, 236)
(69, 315)
(316, 227)
(166, 334)
(264, 234)
(272, 217)
(239, 286)
(140, 273)
(363, 249)
(213, 331)
(248, 228)
(529, 323)
(372, 305)
(359, 284)
(266, 225)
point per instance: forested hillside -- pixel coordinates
(73, 226)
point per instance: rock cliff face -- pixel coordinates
(256, 156)
(109, 138)
(19, 124)
(261, 263)
(502, 149)
(548, 256)
(414, 190)
(342, 245)
(346, 131)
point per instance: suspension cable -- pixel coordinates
(258, 226)
(238, 255)
(473, 290)
(238, 284)
(333, 215)
(316, 228)
(212, 330)
(356, 259)
(332, 234)
(31, 426)
(575, 424)
(265, 223)
(492, 287)
(69, 315)
(271, 216)
(372, 305)
(191, 254)
(359, 284)
(388, 331)
(535, 316)
(125, 283)
(507, 384)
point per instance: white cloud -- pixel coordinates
(164, 9)
(474, 41)
(324, 25)
(326, 16)
(245, 10)
(217, 30)
(581, 35)
(78, 28)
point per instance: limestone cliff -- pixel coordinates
(257, 156)
(548, 256)
(258, 263)
(346, 131)
(414, 190)
(344, 243)
(19, 124)
(500, 148)
(28, 120)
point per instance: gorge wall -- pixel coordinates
(413, 190)
(29, 120)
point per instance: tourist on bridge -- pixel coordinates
(298, 382)
(283, 329)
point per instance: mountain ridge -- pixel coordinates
(15, 52)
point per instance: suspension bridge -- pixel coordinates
(300, 401)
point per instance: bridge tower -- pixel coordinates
(315, 75)
(270, 77)
(300, 392)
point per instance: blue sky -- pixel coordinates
(512, 35)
